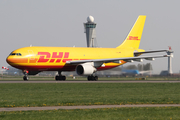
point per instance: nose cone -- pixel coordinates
(12, 61)
(9, 60)
(16, 60)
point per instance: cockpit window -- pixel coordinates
(17, 54)
(13, 54)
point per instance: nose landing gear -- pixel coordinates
(25, 78)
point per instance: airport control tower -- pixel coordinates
(89, 29)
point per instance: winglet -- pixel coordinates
(134, 37)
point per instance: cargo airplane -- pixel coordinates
(85, 61)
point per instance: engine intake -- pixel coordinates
(85, 69)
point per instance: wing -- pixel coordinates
(116, 60)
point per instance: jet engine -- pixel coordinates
(85, 69)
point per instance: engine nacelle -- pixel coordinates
(85, 69)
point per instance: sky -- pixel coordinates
(60, 23)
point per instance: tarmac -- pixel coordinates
(115, 81)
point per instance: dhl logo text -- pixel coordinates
(54, 57)
(133, 38)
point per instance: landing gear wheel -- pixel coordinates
(89, 78)
(60, 78)
(63, 78)
(57, 78)
(25, 72)
(25, 78)
(96, 78)
(92, 78)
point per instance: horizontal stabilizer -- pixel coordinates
(151, 51)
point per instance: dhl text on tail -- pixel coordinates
(85, 61)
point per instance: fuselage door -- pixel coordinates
(31, 55)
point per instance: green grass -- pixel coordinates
(54, 94)
(162, 113)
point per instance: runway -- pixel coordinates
(85, 107)
(110, 81)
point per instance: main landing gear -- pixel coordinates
(92, 78)
(60, 77)
(25, 78)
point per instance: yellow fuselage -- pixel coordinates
(54, 58)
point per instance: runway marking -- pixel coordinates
(86, 107)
